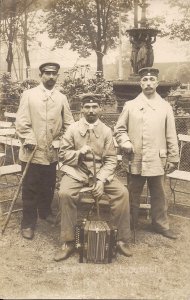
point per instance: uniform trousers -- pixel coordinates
(37, 192)
(118, 200)
(159, 205)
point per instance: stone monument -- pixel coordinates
(141, 37)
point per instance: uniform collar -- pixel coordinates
(48, 93)
(144, 101)
(84, 126)
(91, 126)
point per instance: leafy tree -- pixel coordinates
(183, 73)
(30, 26)
(180, 28)
(88, 25)
(18, 26)
(9, 28)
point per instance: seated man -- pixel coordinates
(82, 138)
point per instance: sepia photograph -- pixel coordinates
(95, 149)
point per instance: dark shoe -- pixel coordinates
(27, 233)
(168, 234)
(66, 250)
(123, 248)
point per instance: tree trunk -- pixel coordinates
(99, 62)
(26, 53)
(99, 53)
(10, 26)
(9, 57)
(25, 45)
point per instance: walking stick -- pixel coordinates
(95, 181)
(132, 199)
(18, 190)
(91, 188)
(87, 189)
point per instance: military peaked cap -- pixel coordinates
(90, 98)
(49, 66)
(149, 71)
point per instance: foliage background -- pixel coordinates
(71, 86)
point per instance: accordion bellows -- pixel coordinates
(96, 241)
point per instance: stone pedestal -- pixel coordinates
(126, 90)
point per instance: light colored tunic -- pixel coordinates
(100, 140)
(41, 119)
(150, 126)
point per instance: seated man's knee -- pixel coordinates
(64, 193)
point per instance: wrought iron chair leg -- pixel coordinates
(173, 192)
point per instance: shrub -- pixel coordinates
(12, 90)
(73, 87)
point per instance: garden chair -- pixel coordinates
(180, 178)
(3, 124)
(10, 115)
(8, 139)
(10, 170)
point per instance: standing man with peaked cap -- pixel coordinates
(146, 131)
(81, 138)
(42, 115)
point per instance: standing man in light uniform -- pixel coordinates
(43, 115)
(146, 132)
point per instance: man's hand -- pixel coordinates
(128, 147)
(170, 167)
(98, 189)
(85, 149)
(58, 178)
(30, 147)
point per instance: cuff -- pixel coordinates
(103, 180)
(28, 141)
